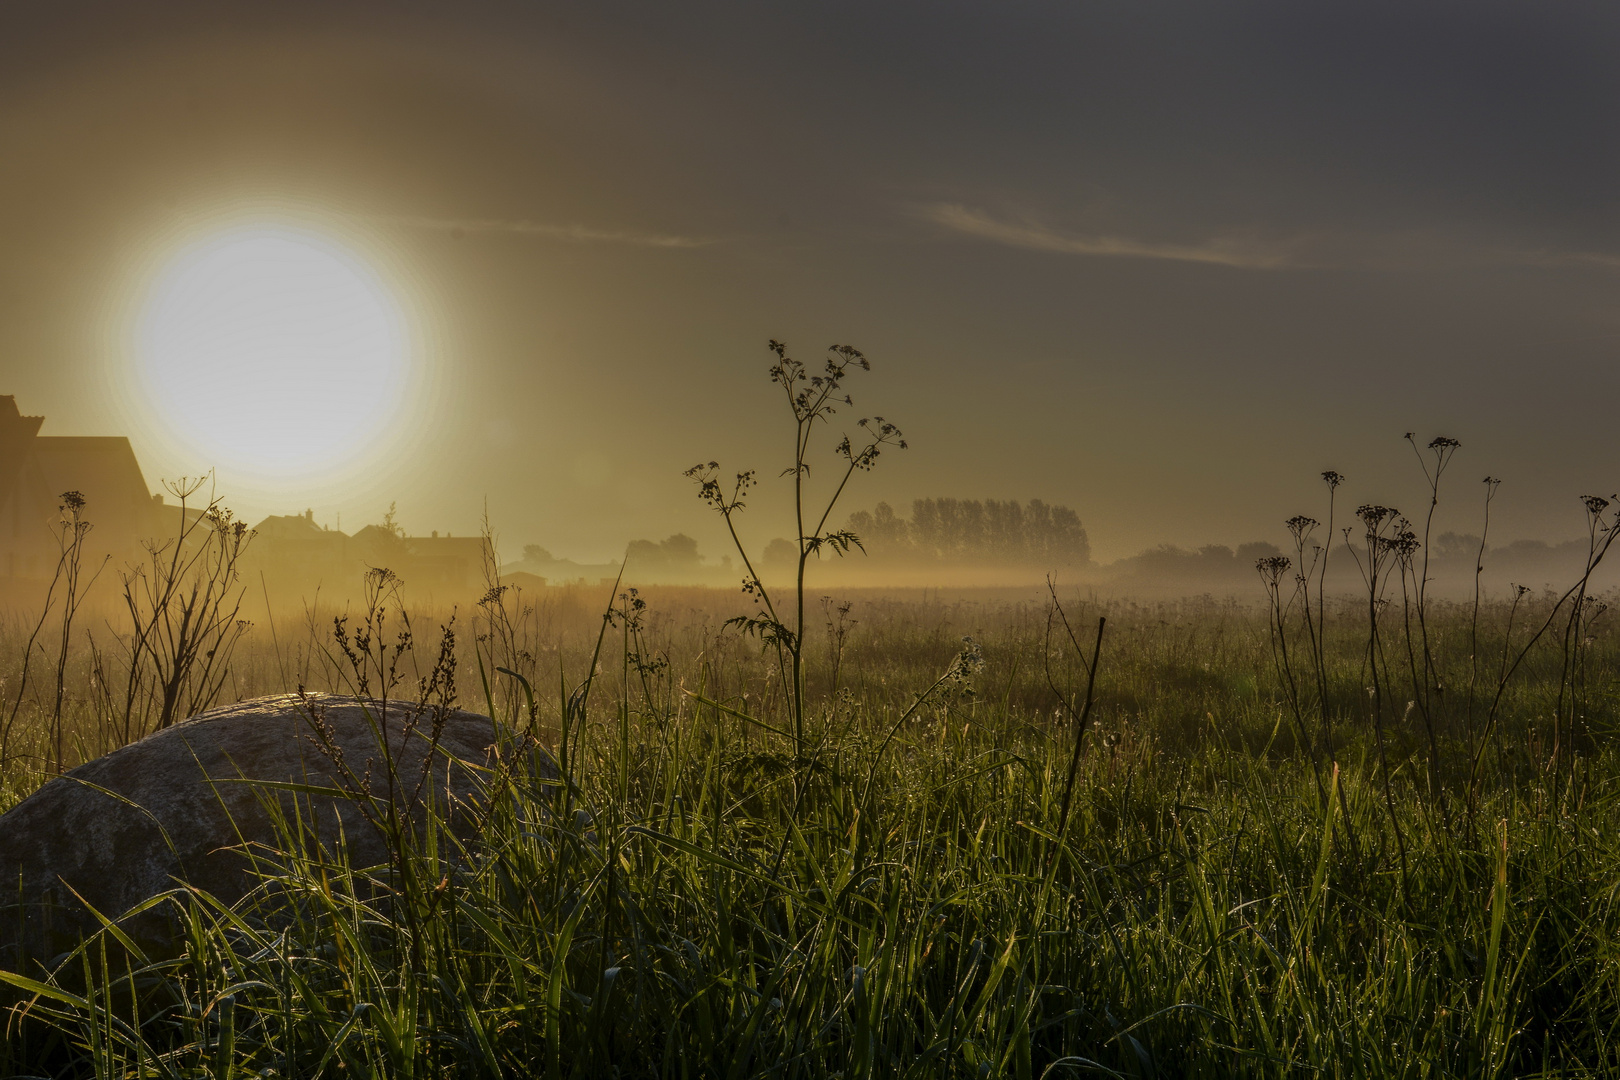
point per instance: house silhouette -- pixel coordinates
(37, 470)
(289, 553)
(298, 556)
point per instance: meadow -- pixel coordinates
(911, 889)
(907, 834)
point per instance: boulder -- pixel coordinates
(186, 804)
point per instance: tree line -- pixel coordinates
(968, 530)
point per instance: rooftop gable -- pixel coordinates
(293, 527)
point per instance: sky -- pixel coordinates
(1160, 262)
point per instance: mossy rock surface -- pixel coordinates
(186, 805)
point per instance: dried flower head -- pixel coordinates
(1374, 515)
(1272, 568)
(381, 577)
(1403, 545)
(966, 664)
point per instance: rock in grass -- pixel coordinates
(174, 808)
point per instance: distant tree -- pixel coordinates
(680, 548)
(782, 552)
(969, 536)
(1248, 554)
(1453, 545)
(889, 527)
(1006, 528)
(677, 553)
(927, 528)
(1212, 561)
(1055, 534)
(967, 530)
(1165, 560)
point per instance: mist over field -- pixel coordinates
(810, 540)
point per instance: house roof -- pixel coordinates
(16, 432)
(36, 470)
(292, 527)
(103, 467)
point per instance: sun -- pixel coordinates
(273, 353)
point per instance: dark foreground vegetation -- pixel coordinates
(900, 894)
(1357, 836)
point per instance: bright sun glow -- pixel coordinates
(273, 353)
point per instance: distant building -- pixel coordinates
(37, 470)
(446, 566)
(297, 556)
(290, 554)
(296, 538)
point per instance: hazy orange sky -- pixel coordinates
(1163, 263)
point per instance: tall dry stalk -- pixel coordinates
(1333, 480)
(184, 604)
(1491, 486)
(1272, 570)
(1386, 538)
(813, 400)
(1080, 717)
(71, 530)
(1601, 534)
(1426, 679)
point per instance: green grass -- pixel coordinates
(893, 897)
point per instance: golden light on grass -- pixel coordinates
(274, 353)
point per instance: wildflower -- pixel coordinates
(1272, 568)
(1373, 515)
(971, 658)
(966, 664)
(380, 576)
(1299, 525)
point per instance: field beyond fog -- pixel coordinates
(1358, 836)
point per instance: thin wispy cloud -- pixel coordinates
(1393, 251)
(578, 233)
(1241, 252)
(1597, 259)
